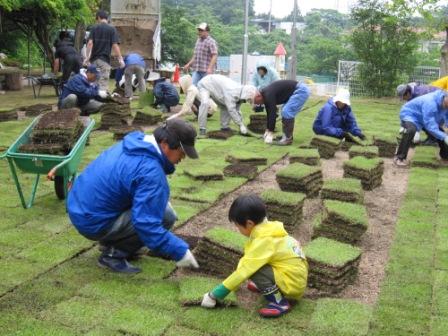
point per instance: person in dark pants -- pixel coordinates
(121, 198)
(409, 91)
(66, 52)
(430, 112)
(134, 65)
(165, 94)
(290, 93)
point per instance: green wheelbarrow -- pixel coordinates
(60, 169)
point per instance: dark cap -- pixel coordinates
(186, 134)
(92, 69)
(102, 14)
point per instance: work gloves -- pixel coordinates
(188, 260)
(208, 301)
(122, 64)
(218, 293)
(102, 94)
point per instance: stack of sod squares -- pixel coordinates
(241, 170)
(308, 156)
(192, 289)
(369, 171)
(327, 146)
(202, 172)
(387, 145)
(425, 157)
(369, 152)
(257, 123)
(351, 140)
(332, 265)
(345, 190)
(300, 177)
(247, 158)
(285, 207)
(345, 222)
(115, 113)
(122, 131)
(147, 117)
(8, 115)
(219, 251)
(55, 133)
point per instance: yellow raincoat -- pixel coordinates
(269, 243)
(441, 83)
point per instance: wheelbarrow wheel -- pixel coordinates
(59, 187)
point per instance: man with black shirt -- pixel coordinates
(290, 93)
(102, 39)
(65, 51)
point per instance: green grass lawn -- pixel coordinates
(50, 284)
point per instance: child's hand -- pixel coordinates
(208, 301)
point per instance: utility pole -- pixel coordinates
(270, 17)
(293, 64)
(246, 44)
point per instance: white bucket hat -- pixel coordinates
(343, 96)
(248, 93)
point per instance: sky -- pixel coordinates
(281, 8)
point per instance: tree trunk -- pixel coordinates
(444, 57)
(80, 32)
(43, 37)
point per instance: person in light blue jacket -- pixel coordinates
(121, 198)
(264, 76)
(429, 112)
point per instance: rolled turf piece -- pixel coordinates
(285, 207)
(300, 177)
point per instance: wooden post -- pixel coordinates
(444, 56)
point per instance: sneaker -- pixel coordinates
(202, 132)
(269, 138)
(120, 265)
(284, 141)
(275, 309)
(243, 129)
(252, 287)
(400, 163)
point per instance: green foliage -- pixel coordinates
(227, 238)
(331, 252)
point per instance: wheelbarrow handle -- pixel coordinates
(52, 173)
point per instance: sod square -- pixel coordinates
(308, 156)
(241, 170)
(204, 173)
(369, 152)
(369, 171)
(29, 326)
(221, 134)
(387, 145)
(351, 140)
(300, 177)
(183, 331)
(339, 317)
(327, 146)
(284, 206)
(425, 157)
(147, 117)
(154, 268)
(16, 271)
(193, 288)
(344, 189)
(244, 156)
(257, 123)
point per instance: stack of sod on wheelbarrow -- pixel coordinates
(219, 251)
(300, 177)
(369, 171)
(147, 117)
(55, 133)
(332, 265)
(257, 123)
(327, 146)
(285, 207)
(369, 152)
(345, 190)
(308, 156)
(387, 145)
(115, 113)
(345, 222)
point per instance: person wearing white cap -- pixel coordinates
(336, 118)
(205, 54)
(229, 95)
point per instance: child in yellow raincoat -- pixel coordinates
(273, 261)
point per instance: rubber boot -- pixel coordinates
(277, 305)
(288, 130)
(116, 261)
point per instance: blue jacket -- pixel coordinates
(81, 87)
(426, 112)
(130, 59)
(128, 175)
(260, 82)
(165, 93)
(334, 122)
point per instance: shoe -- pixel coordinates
(243, 129)
(400, 163)
(252, 287)
(284, 141)
(275, 309)
(202, 132)
(429, 142)
(268, 138)
(120, 265)
(226, 129)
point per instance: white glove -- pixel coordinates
(208, 301)
(416, 139)
(102, 93)
(446, 140)
(122, 65)
(188, 260)
(401, 131)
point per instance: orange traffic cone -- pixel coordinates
(176, 74)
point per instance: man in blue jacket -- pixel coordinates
(336, 118)
(134, 65)
(121, 198)
(165, 94)
(81, 91)
(429, 112)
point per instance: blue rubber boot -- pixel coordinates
(115, 260)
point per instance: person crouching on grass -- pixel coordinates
(273, 261)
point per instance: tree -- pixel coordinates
(385, 42)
